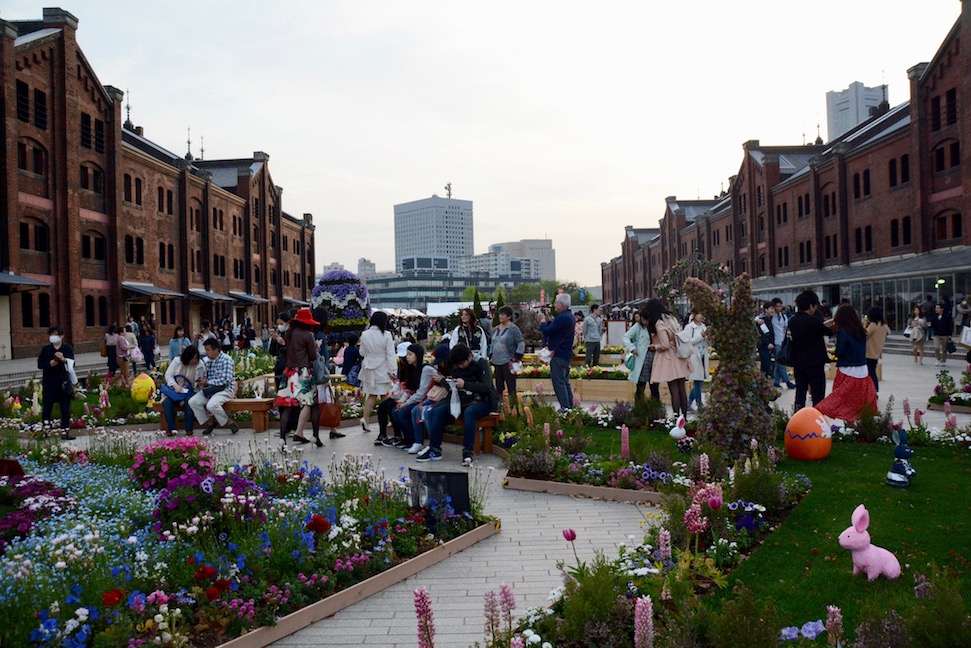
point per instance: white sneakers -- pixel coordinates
(415, 448)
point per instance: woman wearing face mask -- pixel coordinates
(55, 383)
(278, 347)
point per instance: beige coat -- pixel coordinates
(876, 338)
(667, 365)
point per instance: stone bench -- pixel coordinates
(483, 432)
(258, 407)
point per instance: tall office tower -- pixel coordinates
(848, 108)
(428, 233)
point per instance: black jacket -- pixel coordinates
(767, 338)
(478, 380)
(808, 347)
(54, 377)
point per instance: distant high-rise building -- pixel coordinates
(366, 268)
(332, 266)
(848, 108)
(539, 251)
(430, 232)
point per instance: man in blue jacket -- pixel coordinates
(558, 337)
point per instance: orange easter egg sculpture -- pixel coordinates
(808, 436)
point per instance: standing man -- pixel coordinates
(808, 353)
(766, 338)
(593, 330)
(927, 310)
(779, 323)
(942, 325)
(558, 335)
(218, 386)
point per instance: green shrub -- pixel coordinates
(761, 486)
(595, 610)
(745, 621)
(872, 424)
(644, 412)
(940, 617)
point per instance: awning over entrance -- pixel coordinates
(295, 302)
(8, 278)
(150, 290)
(247, 298)
(208, 295)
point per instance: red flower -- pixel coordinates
(212, 593)
(113, 597)
(318, 524)
(222, 584)
(205, 572)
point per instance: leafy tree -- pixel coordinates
(469, 293)
(477, 304)
(500, 302)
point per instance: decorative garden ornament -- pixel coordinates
(867, 558)
(808, 435)
(901, 473)
(678, 432)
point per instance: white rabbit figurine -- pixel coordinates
(868, 559)
(678, 432)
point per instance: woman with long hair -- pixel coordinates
(853, 389)
(664, 327)
(697, 332)
(298, 397)
(377, 363)
(876, 337)
(918, 332)
(637, 342)
(409, 377)
(469, 333)
(508, 346)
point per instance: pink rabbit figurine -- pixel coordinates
(871, 560)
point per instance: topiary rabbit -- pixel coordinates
(678, 432)
(867, 558)
(901, 473)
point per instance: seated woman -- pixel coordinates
(180, 378)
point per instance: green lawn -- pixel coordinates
(801, 567)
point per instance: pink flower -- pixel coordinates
(426, 624)
(644, 623)
(570, 535)
(507, 603)
(834, 625)
(491, 610)
(715, 502)
(704, 467)
(907, 407)
(624, 443)
(664, 544)
(559, 434)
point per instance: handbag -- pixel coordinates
(136, 354)
(951, 347)
(212, 390)
(321, 370)
(330, 412)
(104, 350)
(784, 352)
(436, 393)
(630, 361)
(178, 397)
(908, 331)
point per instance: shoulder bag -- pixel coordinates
(330, 411)
(784, 352)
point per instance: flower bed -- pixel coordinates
(173, 546)
(955, 393)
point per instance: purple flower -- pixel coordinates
(790, 633)
(810, 629)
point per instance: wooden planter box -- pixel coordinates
(603, 391)
(955, 409)
(582, 490)
(336, 602)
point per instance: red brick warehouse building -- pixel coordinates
(877, 216)
(100, 222)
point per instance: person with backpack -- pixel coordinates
(669, 365)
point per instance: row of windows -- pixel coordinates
(947, 156)
(98, 139)
(41, 239)
(946, 113)
(27, 310)
(89, 310)
(32, 158)
(23, 105)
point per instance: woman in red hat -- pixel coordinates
(298, 396)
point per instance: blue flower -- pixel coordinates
(790, 633)
(73, 597)
(811, 629)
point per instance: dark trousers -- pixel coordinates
(171, 415)
(402, 419)
(871, 366)
(384, 416)
(593, 354)
(470, 416)
(505, 379)
(765, 362)
(560, 377)
(59, 398)
(655, 390)
(813, 379)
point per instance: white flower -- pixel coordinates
(159, 618)
(60, 565)
(82, 613)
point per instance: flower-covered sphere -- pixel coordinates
(345, 298)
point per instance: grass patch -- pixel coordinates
(801, 568)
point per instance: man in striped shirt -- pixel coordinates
(220, 383)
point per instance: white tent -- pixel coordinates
(442, 309)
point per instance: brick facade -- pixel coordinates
(91, 208)
(893, 188)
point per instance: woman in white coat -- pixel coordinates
(378, 363)
(637, 341)
(696, 332)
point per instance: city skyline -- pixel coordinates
(555, 120)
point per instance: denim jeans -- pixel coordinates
(403, 422)
(695, 395)
(171, 416)
(470, 415)
(780, 375)
(435, 421)
(560, 377)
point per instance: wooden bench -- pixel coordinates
(258, 407)
(483, 432)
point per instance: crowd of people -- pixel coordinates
(476, 362)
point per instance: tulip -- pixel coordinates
(715, 502)
(570, 535)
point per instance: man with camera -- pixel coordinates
(214, 389)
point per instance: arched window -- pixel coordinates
(256, 275)
(88, 310)
(127, 188)
(171, 257)
(129, 249)
(139, 251)
(44, 308)
(103, 311)
(161, 255)
(27, 310)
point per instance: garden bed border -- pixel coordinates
(334, 603)
(956, 409)
(583, 490)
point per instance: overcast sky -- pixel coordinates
(566, 120)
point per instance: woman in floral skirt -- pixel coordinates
(853, 388)
(298, 396)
